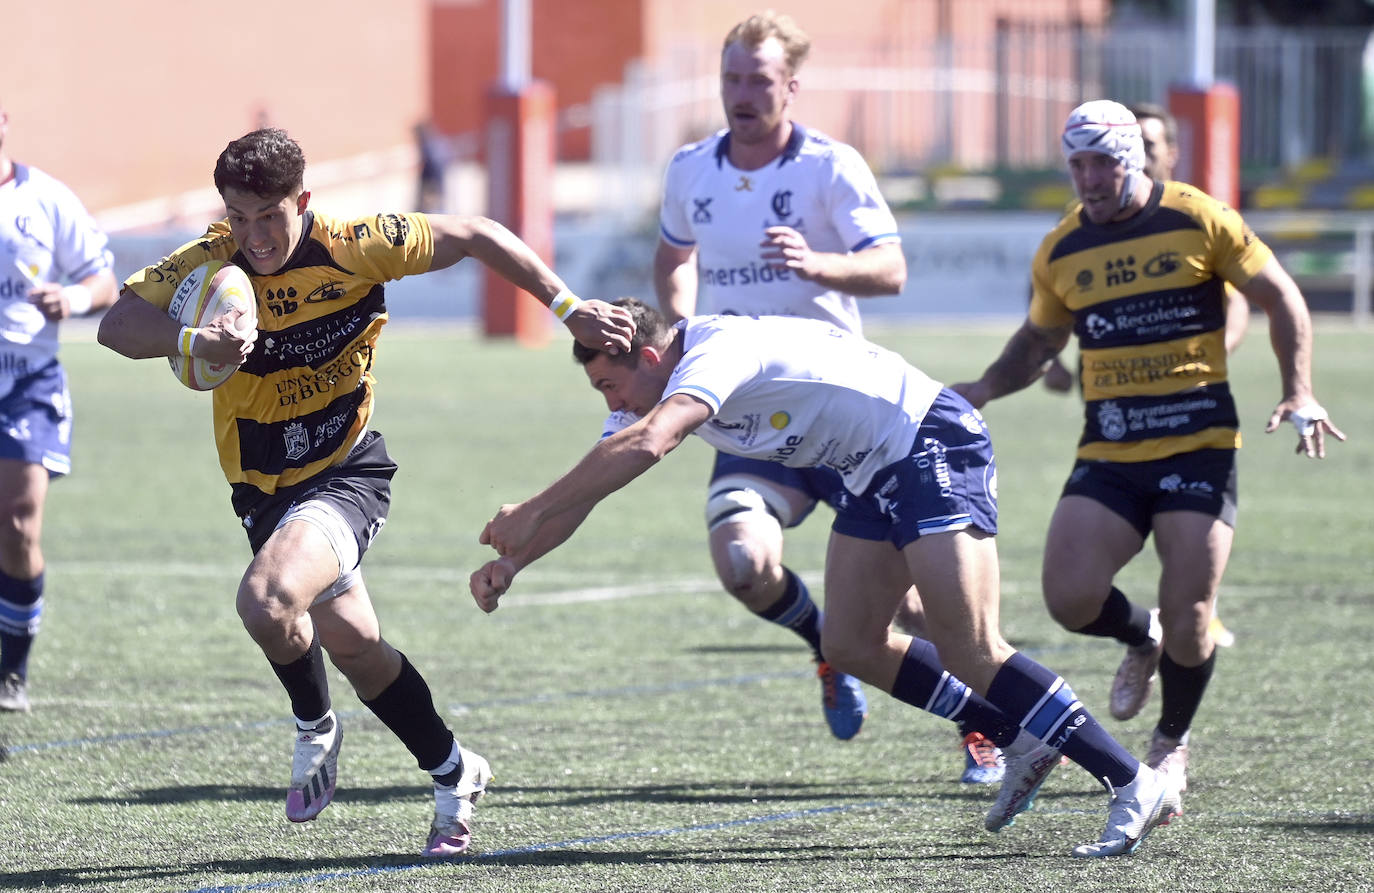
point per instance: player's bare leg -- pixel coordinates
(23, 491)
(746, 540)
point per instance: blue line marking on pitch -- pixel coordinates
(540, 848)
(667, 688)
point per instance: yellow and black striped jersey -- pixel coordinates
(1146, 298)
(304, 396)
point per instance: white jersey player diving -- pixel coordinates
(818, 186)
(799, 394)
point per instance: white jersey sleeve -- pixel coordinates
(46, 235)
(618, 421)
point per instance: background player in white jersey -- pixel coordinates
(54, 264)
(918, 506)
(767, 218)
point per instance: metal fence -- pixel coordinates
(999, 105)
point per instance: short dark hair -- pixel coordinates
(650, 328)
(266, 162)
(1160, 113)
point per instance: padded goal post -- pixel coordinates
(1208, 139)
(520, 135)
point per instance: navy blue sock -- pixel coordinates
(1120, 619)
(923, 682)
(1180, 692)
(306, 682)
(797, 611)
(407, 708)
(1045, 706)
(21, 610)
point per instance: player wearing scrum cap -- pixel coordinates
(1138, 270)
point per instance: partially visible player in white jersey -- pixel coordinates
(54, 264)
(768, 218)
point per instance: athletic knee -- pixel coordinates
(263, 606)
(746, 569)
(746, 541)
(19, 552)
(1186, 635)
(1072, 607)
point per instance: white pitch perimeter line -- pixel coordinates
(516, 599)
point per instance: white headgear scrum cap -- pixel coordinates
(1108, 128)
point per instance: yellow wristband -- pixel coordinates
(563, 304)
(185, 338)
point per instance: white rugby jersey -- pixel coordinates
(799, 392)
(45, 229)
(818, 186)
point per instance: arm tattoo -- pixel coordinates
(1023, 359)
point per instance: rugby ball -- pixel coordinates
(210, 290)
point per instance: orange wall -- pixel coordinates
(132, 99)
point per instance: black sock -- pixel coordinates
(797, 611)
(306, 682)
(923, 682)
(407, 708)
(1181, 690)
(1120, 619)
(22, 601)
(1045, 705)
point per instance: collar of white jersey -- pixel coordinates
(790, 152)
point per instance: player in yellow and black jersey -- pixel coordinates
(310, 481)
(1137, 271)
(1148, 305)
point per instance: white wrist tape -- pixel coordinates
(1305, 417)
(78, 299)
(185, 338)
(563, 304)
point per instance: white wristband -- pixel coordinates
(78, 299)
(1305, 417)
(185, 338)
(563, 304)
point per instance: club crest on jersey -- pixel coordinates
(744, 184)
(1111, 420)
(782, 203)
(780, 419)
(296, 439)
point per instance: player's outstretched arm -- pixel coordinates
(611, 464)
(1021, 362)
(1290, 334)
(139, 330)
(490, 581)
(594, 323)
